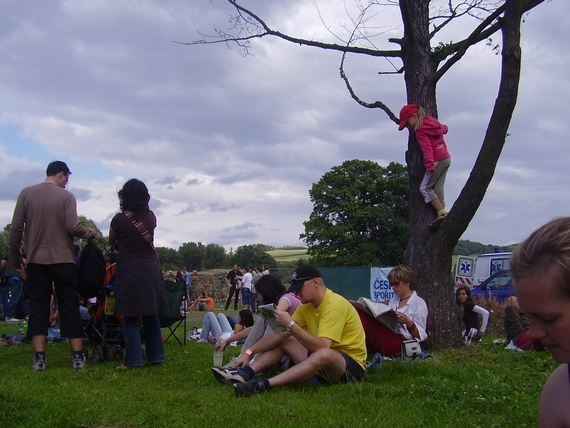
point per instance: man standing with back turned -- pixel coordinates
(48, 213)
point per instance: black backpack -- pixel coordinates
(91, 271)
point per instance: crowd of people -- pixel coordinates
(314, 333)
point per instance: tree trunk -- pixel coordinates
(429, 253)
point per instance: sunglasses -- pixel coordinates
(394, 283)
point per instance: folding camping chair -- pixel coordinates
(175, 309)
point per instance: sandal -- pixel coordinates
(437, 222)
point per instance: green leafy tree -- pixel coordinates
(252, 255)
(359, 215)
(5, 240)
(170, 259)
(422, 60)
(101, 241)
(199, 256)
(192, 254)
(215, 257)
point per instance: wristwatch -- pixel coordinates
(290, 325)
(248, 352)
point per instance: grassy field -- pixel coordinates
(294, 255)
(288, 255)
(481, 385)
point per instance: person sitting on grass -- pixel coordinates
(410, 311)
(517, 325)
(540, 267)
(203, 303)
(218, 328)
(470, 312)
(330, 342)
(270, 290)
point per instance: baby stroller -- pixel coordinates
(104, 329)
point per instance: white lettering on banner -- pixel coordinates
(380, 289)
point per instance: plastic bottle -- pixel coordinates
(110, 304)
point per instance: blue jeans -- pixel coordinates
(217, 325)
(232, 320)
(4, 300)
(152, 338)
(246, 296)
(17, 300)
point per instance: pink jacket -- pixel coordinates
(430, 139)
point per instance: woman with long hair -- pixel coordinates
(139, 285)
(470, 312)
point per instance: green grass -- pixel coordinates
(477, 386)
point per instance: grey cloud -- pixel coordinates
(188, 210)
(168, 180)
(216, 208)
(245, 232)
(81, 194)
(17, 179)
(275, 122)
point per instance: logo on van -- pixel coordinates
(465, 267)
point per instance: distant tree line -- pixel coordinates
(466, 248)
(199, 256)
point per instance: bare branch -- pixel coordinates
(246, 17)
(376, 104)
(482, 32)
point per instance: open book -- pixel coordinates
(381, 312)
(266, 311)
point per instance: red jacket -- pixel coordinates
(430, 139)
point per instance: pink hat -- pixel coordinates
(405, 114)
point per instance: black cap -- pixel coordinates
(303, 273)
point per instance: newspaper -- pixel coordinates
(382, 312)
(266, 311)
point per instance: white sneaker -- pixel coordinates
(202, 341)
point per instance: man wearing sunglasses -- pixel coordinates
(329, 343)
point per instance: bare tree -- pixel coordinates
(422, 66)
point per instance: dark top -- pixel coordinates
(131, 242)
(139, 286)
(232, 276)
(470, 318)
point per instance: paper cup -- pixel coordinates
(218, 359)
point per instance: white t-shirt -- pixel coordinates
(246, 280)
(417, 310)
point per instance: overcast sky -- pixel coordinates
(229, 146)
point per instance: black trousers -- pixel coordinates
(233, 290)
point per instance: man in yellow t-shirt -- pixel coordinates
(324, 338)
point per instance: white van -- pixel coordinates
(473, 270)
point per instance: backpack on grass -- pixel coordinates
(91, 271)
